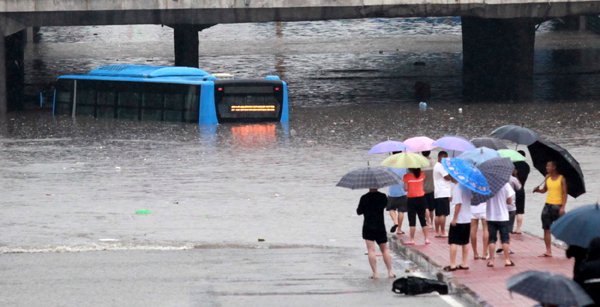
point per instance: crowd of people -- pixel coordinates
(427, 195)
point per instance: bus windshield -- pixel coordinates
(237, 100)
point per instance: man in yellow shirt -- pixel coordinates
(556, 202)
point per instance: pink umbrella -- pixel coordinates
(419, 143)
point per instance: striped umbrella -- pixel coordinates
(369, 178)
(497, 172)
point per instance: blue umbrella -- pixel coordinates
(479, 155)
(450, 142)
(578, 227)
(466, 175)
(388, 146)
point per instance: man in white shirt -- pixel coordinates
(460, 227)
(515, 184)
(442, 189)
(477, 214)
(497, 220)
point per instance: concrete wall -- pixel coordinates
(17, 14)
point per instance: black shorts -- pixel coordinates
(430, 200)
(378, 236)
(550, 214)
(397, 203)
(442, 206)
(502, 227)
(520, 201)
(459, 234)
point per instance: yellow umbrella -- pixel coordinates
(406, 160)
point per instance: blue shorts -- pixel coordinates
(502, 227)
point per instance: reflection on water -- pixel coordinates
(74, 182)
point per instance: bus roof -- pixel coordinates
(145, 71)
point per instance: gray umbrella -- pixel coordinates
(549, 288)
(369, 178)
(517, 134)
(497, 172)
(493, 143)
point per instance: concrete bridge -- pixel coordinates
(498, 35)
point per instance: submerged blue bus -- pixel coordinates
(160, 93)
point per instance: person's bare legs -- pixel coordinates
(432, 218)
(506, 248)
(438, 225)
(486, 237)
(387, 259)
(465, 255)
(426, 233)
(429, 223)
(400, 220)
(443, 226)
(372, 258)
(413, 229)
(492, 253)
(453, 252)
(474, 226)
(548, 241)
(394, 217)
(519, 223)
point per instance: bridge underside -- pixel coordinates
(497, 38)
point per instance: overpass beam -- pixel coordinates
(498, 59)
(187, 44)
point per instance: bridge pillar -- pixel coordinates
(3, 94)
(187, 44)
(15, 68)
(498, 59)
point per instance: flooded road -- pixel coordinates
(76, 184)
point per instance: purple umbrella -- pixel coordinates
(450, 142)
(388, 146)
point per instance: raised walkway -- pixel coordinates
(482, 285)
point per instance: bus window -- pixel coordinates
(86, 98)
(129, 100)
(64, 97)
(107, 98)
(248, 101)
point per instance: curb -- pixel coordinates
(435, 270)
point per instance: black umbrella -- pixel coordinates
(517, 134)
(544, 151)
(549, 288)
(493, 143)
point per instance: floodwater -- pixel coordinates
(76, 184)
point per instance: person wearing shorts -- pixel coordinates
(556, 202)
(515, 184)
(497, 220)
(397, 205)
(371, 205)
(413, 184)
(442, 191)
(460, 228)
(523, 170)
(429, 189)
(478, 214)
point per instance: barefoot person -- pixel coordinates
(397, 202)
(556, 202)
(460, 228)
(478, 214)
(413, 184)
(443, 184)
(372, 205)
(497, 220)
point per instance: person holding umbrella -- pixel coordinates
(588, 274)
(523, 170)
(397, 201)
(372, 206)
(413, 184)
(497, 219)
(556, 202)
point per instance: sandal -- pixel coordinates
(478, 257)
(545, 256)
(511, 264)
(460, 267)
(393, 229)
(490, 265)
(450, 269)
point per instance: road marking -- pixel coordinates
(447, 298)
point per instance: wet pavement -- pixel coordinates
(234, 276)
